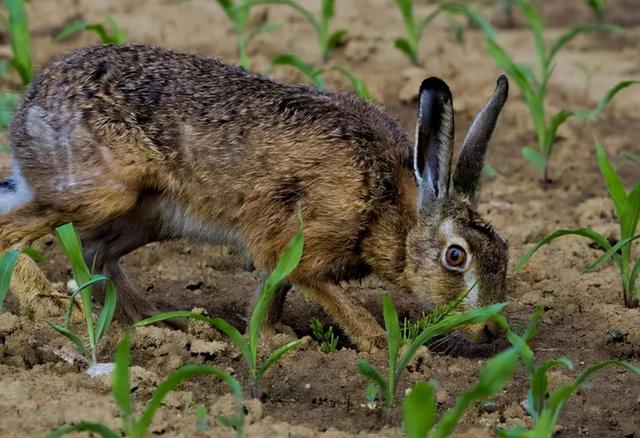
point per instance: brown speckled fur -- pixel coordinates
(136, 144)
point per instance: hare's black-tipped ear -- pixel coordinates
(434, 141)
(471, 160)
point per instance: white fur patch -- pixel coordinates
(10, 199)
(471, 281)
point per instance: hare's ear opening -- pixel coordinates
(434, 141)
(472, 156)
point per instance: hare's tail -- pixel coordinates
(14, 192)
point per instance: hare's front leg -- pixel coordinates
(359, 324)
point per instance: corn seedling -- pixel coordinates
(84, 280)
(544, 407)
(248, 344)
(534, 86)
(202, 418)
(20, 45)
(316, 75)
(133, 427)
(398, 361)
(597, 7)
(627, 208)
(238, 13)
(420, 404)
(630, 156)
(325, 337)
(109, 33)
(328, 39)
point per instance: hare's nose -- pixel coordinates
(492, 330)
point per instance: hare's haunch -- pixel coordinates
(136, 144)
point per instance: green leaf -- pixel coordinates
(294, 61)
(630, 214)
(287, 262)
(120, 383)
(425, 21)
(628, 155)
(489, 170)
(263, 28)
(369, 371)
(275, 356)
(404, 46)
(556, 121)
(8, 103)
(473, 15)
(72, 337)
(611, 179)
(419, 410)
(118, 35)
(598, 238)
(108, 310)
(450, 322)
(7, 263)
(69, 29)
(569, 35)
(98, 428)
(359, 86)
(610, 252)
(593, 114)
(174, 380)
(394, 338)
(234, 334)
(336, 38)
(536, 158)
(20, 45)
(539, 383)
(492, 379)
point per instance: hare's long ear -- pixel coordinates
(471, 160)
(434, 141)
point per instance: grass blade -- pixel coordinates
(294, 61)
(611, 179)
(69, 29)
(394, 338)
(359, 86)
(539, 384)
(369, 371)
(610, 94)
(538, 160)
(84, 426)
(174, 380)
(275, 356)
(120, 383)
(108, 310)
(569, 35)
(19, 30)
(610, 252)
(419, 410)
(630, 214)
(598, 238)
(72, 337)
(556, 121)
(7, 263)
(287, 262)
(628, 155)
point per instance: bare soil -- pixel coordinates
(311, 393)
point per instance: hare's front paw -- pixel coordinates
(371, 344)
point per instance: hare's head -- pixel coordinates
(451, 250)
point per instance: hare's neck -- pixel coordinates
(385, 246)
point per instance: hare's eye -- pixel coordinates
(455, 256)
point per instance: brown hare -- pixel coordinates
(136, 144)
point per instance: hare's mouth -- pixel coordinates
(455, 344)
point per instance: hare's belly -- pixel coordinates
(178, 223)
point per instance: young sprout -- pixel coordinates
(325, 337)
(398, 362)
(533, 86)
(544, 407)
(248, 344)
(114, 35)
(627, 208)
(137, 427)
(19, 31)
(84, 280)
(597, 7)
(316, 75)
(328, 39)
(238, 12)
(630, 156)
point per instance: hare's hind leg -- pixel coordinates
(103, 249)
(36, 295)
